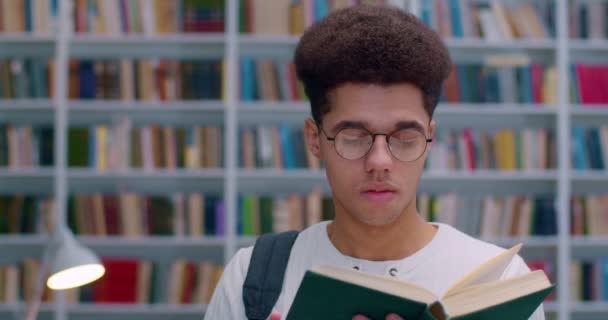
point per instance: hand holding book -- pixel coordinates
(329, 292)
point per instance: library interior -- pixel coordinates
(192, 114)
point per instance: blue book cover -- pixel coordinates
(285, 135)
(321, 9)
(87, 80)
(426, 14)
(210, 214)
(491, 85)
(474, 77)
(463, 83)
(55, 8)
(528, 88)
(38, 83)
(203, 76)
(545, 216)
(29, 14)
(457, 30)
(299, 148)
(596, 157)
(579, 157)
(247, 79)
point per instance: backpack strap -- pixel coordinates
(266, 272)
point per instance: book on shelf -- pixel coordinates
(120, 145)
(192, 282)
(148, 17)
(489, 20)
(139, 215)
(588, 20)
(38, 17)
(136, 281)
(516, 82)
(548, 267)
(126, 281)
(589, 280)
(329, 292)
(589, 215)
(26, 146)
(269, 79)
(589, 148)
(26, 78)
(18, 283)
(492, 217)
(151, 80)
(500, 149)
(589, 84)
(508, 82)
(275, 146)
(260, 214)
(284, 17)
(26, 214)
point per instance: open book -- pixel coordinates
(328, 292)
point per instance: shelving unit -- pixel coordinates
(231, 180)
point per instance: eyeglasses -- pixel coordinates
(405, 145)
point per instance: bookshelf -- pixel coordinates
(232, 113)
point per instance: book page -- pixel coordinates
(491, 270)
(385, 284)
(493, 293)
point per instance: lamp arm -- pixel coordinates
(33, 305)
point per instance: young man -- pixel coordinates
(373, 76)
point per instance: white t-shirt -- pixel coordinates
(449, 256)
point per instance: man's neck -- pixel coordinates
(404, 237)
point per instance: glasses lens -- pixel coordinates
(407, 144)
(353, 143)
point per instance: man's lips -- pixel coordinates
(379, 192)
(379, 196)
(373, 188)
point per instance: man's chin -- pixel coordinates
(379, 219)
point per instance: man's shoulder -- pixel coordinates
(456, 240)
(477, 251)
(240, 261)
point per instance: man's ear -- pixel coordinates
(432, 127)
(311, 135)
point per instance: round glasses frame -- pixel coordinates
(387, 136)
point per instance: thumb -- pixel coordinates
(393, 316)
(275, 315)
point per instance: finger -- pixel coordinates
(360, 317)
(275, 315)
(393, 316)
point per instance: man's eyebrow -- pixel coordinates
(348, 124)
(409, 125)
(412, 124)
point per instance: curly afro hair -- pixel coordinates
(370, 44)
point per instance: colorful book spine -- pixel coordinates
(139, 215)
(146, 80)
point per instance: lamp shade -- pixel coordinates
(74, 265)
